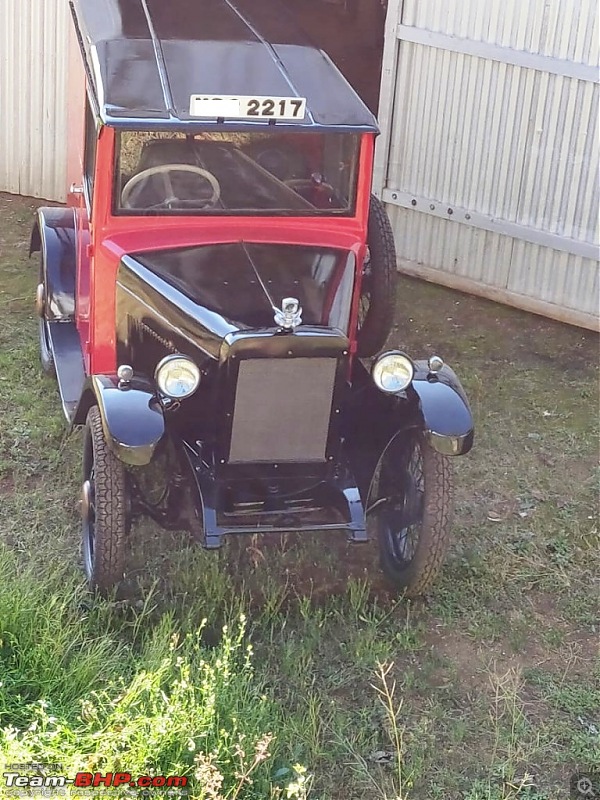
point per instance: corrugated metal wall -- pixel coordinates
(33, 97)
(489, 155)
(488, 158)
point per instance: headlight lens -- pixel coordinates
(392, 372)
(177, 377)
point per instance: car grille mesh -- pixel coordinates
(282, 410)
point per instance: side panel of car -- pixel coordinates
(83, 279)
(102, 264)
(365, 180)
(54, 235)
(81, 197)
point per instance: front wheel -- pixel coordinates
(104, 508)
(413, 501)
(46, 356)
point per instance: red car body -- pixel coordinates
(104, 238)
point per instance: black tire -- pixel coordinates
(414, 529)
(46, 357)
(104, 509)
(377, 297)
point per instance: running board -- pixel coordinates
(68, 362)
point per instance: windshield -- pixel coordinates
(279, 173)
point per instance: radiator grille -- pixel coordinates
(282, 410)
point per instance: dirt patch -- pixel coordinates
(469, 663)
(473, 662)
(582, 647)
(318, 566)
(7, 485)
(465, 327)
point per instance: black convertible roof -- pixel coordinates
(146, 58)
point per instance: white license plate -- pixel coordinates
(292, 108)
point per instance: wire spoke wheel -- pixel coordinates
(413, 490)
(103, 509)
(405, 515)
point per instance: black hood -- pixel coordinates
(193, 298)
(245, 283)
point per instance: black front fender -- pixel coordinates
(434, 404)
(132, 417)
(54, 235)
(443, 408)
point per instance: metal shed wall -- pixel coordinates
(33, 97)
(489, 153)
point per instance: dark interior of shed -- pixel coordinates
(351, 33)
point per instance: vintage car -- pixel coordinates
(211, 298)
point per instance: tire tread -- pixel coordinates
(380, 316)
(434, 537)
(110, 508)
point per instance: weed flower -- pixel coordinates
(208, 776)
(298, 788)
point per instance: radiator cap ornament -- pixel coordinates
(290, 314)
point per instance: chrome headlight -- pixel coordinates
(177, 377)
(392, 372)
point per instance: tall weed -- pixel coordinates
(93, 701)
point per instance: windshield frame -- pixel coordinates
(303, 208)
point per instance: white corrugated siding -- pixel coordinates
(504, 142)
(566, 29)
(33, 97)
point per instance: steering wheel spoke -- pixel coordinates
(170, 195)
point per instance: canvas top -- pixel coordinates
(146, 59)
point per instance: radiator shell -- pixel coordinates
(282, 410)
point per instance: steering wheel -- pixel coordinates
(164, 170)
(312, 190)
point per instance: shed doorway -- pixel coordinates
(351, 33)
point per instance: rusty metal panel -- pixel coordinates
(33, 97)
(500, 138)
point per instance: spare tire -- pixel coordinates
(377, 296)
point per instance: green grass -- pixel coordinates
(139, 697)
(323, 685)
